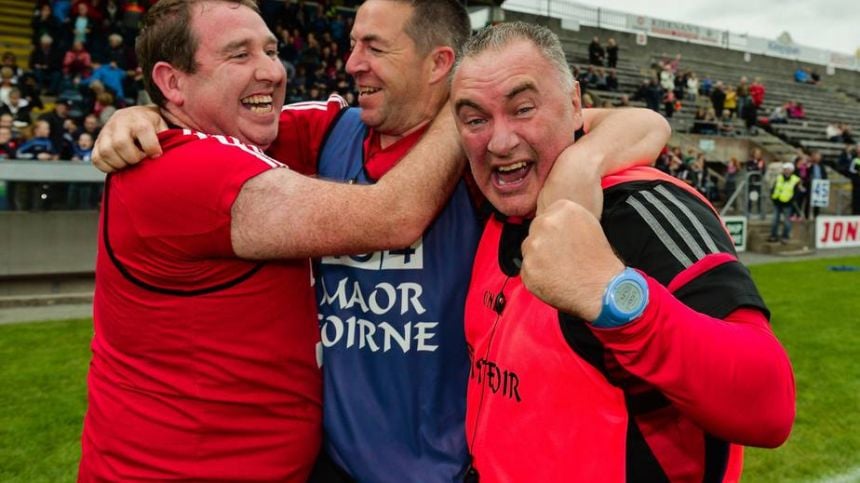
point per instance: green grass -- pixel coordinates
(42, 399)
(815, 314)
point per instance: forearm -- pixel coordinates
(281, 214)
(616, 139)
(421, 183)
(732, 377)
(621, 138)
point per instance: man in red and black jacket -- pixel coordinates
(633, 348)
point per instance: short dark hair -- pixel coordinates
(166, 36)
(438, 22)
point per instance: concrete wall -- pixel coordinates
(42, 243)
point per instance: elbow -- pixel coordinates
(773, 429)
(404, 232)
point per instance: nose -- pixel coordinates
(356, 62)
(503, 140)
(270, 69)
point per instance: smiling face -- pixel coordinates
(238, 86)
(515, 115)
(390, 73)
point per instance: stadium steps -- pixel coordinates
(16, 301)
(15, 29)
(800, 243)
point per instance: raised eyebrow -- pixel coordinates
(461, 103)
(519, 89)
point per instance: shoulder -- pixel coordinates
(651, 220)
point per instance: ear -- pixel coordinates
(441, 61)
(169, 80)
(576, 101)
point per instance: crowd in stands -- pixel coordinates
(83, 67)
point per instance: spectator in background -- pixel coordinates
(611, 53)
(82, 196)
(718, 97)
(44, 23)
(731, 102)
(705, 122)
(727, 124)
(692, 87)
(752, 106)
(801, 76)
(651, 93)
(833, 132)
(56, 119)
(111, 76)
(732, 170)
(117, 53)
(77, 62)
(846, 157)
(7, 83)
(854, 175)
(699, 175)
(104, 105)
(623, 101)
(783, 194)
(669, 103)
(81, 24)
(596, 54)
(742, 96)
(9, 60)
(667, 78)
(795, 110)
(778, 115)
(17, 107)
(46, 63)
(847, 136)
(757, 92)
(39, 146)
(612, 81)
(91, 126)
(678, 169)
(8, 145)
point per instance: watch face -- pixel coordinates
(628, 296)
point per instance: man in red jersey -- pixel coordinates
(406, 399)
(205, 355)
(631, 348)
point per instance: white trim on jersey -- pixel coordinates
(236, 143)
(316, 105)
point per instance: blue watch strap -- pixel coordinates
(624, 300)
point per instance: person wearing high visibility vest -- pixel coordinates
(784, 190)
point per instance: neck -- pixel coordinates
(435, 101)
(386, 140)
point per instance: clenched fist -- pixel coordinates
(567, 261)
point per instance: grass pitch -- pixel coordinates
(815, 314)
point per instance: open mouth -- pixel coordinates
(257, 103)
(511, 175)
(366, 91)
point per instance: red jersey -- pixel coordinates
(660, 399)
(204, 365)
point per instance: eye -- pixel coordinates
(524, 110)
(474, 122)
(272, 53)
(239, 55)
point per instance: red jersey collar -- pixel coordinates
(378, 160)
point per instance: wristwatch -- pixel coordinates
(625, 299)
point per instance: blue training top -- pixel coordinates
(395, 362)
